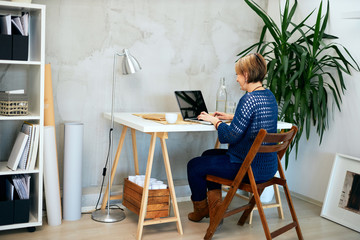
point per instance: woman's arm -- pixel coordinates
(208, 117)
(224, 116)
(241, 121)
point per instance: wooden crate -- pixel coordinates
(158, 204)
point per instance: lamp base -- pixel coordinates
(102, 215)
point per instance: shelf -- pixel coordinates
(19, 6)
(4, 170)
(20, 118)
(20, 62)
(28, 75)
(33, 222)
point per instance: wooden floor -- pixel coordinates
(313, 227)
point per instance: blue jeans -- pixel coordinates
(214, 162)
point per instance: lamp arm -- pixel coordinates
(112, 124)
(113, 87)
(113, 92)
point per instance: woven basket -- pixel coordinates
(13, 104)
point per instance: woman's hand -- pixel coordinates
(208, 117)
(223, 116)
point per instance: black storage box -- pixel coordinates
(20, 47)
(5, 47)
(21, 210)
(7, 213)
(12, 211)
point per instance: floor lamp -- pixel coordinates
(129, 66)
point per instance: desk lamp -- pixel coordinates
(129, 66)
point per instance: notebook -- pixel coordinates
(26, 128)
(17, 151)
(191, 104)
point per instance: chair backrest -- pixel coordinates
(278, 142)
(266, 143)
(271, 142)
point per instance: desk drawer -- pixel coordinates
(158, 201)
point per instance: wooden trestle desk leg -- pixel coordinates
(171, 185)
(217, 143)
(136, 161)
(146, 187)
(145, 195)
(113, 169)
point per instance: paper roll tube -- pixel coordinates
(49, 116)
(51, 178)
(72, 188)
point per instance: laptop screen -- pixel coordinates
(191, 103)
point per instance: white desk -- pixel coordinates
(128, 120)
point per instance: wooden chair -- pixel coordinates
(281, 143)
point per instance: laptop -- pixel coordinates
(191, 104)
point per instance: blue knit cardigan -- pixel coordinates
(255, 110)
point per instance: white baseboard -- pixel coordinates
(305, 198)
(183, 193)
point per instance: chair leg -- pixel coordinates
(292, 211)
(248, 212)
(214, 223)
(219, 215)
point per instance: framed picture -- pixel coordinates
(342, 200)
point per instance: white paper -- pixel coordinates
(51, 178)
(73, 146)
(17, 23)
(24, 19)
(5, 24)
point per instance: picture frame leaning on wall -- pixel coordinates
(342, 199)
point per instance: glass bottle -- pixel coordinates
(221, 97)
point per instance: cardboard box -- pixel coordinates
(158, 204)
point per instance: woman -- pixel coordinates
(256, 109)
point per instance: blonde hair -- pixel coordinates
(254, 65)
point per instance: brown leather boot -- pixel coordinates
(201, 210)
(215, 199)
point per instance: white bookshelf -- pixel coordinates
(28, 75)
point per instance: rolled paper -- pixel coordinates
(49, 116)
(51, 178)
(72, 188)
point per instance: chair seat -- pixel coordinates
(246, 186)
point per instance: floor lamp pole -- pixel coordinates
(110, 215)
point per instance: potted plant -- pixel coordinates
(305, 68)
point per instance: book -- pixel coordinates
(26, 128)
(17, 151)
(35, 147)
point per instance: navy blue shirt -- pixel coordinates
(255, 110)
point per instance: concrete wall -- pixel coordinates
(180, 45)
